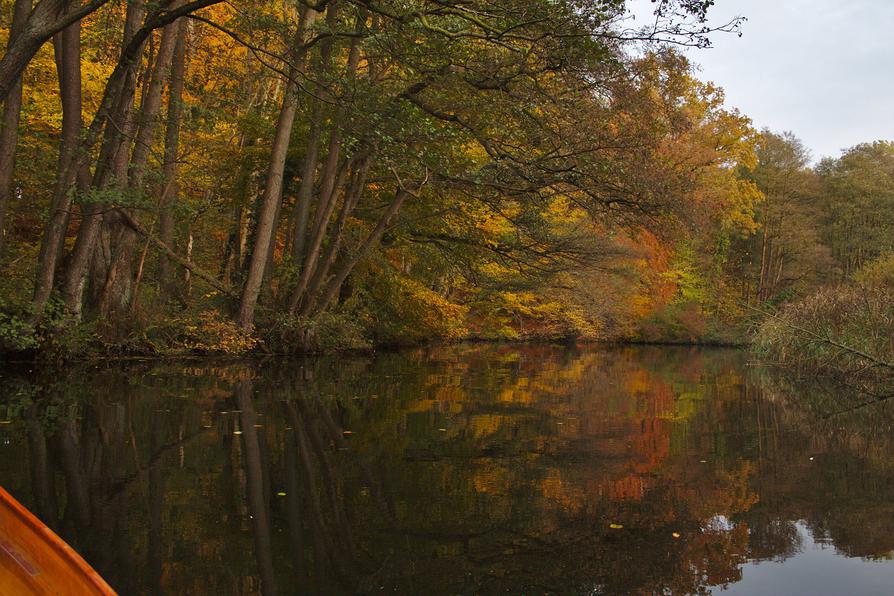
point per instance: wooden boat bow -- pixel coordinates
(34, 560)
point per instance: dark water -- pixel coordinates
(457, 471)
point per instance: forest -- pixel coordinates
(209, 177)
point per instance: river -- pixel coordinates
(471, 469)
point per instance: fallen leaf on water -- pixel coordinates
(280, 494)
(347, 432)
(615, 526)
(443, 430)
(676, 534)
(237, 432)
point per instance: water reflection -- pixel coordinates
(451, 470)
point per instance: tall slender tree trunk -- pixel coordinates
(334, 286)
(68, 66)
(170, 188)
(765, 256)
(777, 280)
(301, 211)
(265, 227)
(324, 214)
(352, 197)
(236, 244)
(9, 127)
(269, 205)
(332, 179)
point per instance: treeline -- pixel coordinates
(819, 225)
(823, 263)
(209, 176)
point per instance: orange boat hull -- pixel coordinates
(34, 560)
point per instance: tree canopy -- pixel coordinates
(300, 175)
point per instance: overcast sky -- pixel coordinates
(823, 69)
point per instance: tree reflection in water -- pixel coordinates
(449, 470)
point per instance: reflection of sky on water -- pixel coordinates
(817, 569)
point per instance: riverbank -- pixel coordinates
(209, 337)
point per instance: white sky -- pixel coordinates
(823, 69)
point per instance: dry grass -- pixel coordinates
(845, 331)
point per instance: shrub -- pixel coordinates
(55, 336)
(877, 274)
(16, 333)
(404, 311)
(207, 332)
(675, 323)
(328, 332)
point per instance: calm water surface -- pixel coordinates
(462, 470)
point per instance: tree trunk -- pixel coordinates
(236, 244)
(301, 210)
(108, 274)
(169, 188)
(9, 127)
(114, 138)
(187, 273)
(268, 210)
(118, 287)
(777, 280)
(303, 200)
(347, 267)
(68, 66)
(358, 184)
(46, 20)
(324, 214)
(272, 192)
(765, 255)
(112, 113)
(332, 179)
